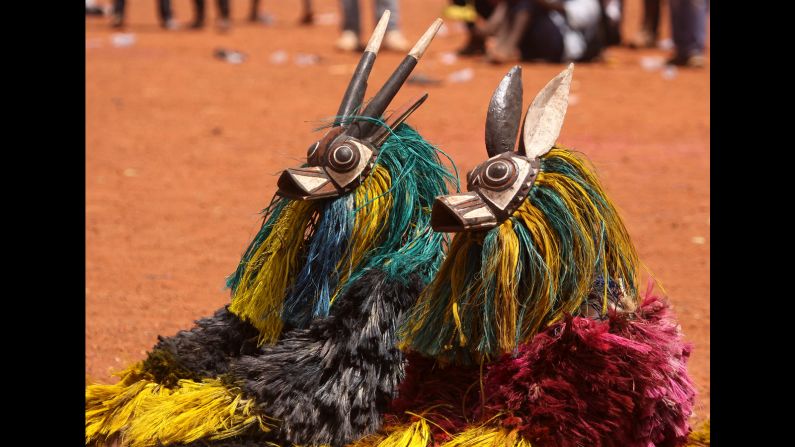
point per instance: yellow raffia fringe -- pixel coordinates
(456, 270)
(195, 410)
(604, 241)
(615, 231)
(505, 289)
(370, 440)
(487, 437)
(259, 296)
(416, 434)
(120, 406)
(589, 219)
(700, 436)
(373, 207)
(507, 286)
(110, 408)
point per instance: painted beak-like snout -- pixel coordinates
(308, 183)
(461, 212)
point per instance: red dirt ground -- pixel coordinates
(183, 149)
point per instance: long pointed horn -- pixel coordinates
(384, 96)
(396, 118)
(505, 114)
(354, 94)
(545, 115)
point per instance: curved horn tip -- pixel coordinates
(378, 33)
(505, 113)
(425, 40)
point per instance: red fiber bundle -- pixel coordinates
(617, 382)
(447, 396)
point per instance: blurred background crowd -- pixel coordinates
(499, 31)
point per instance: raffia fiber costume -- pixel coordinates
(306, 351)
(533, 333)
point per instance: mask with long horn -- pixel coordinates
(339, 161)
(346, 208)
(280, 364)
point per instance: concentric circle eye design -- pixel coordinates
(343, 158)
(500, 173)
(312, 150)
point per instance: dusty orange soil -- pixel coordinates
(183, 149)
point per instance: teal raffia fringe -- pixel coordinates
(407, 244)
(543, 285)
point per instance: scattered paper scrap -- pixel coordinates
(463, 75)
(231, 56)
(121, 40)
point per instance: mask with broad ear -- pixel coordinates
(537, 237)
(500, 184)
(533, 332)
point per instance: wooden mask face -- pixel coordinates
(499, 185)
(339, 162)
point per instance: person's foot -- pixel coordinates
(170, 25)
(307, 19)
(501, 55)
(348, 41)
(94, 11)
(223, 25)
(644, 39)
(394, 41)
(476, 46)
(692, 61)
(197, 24)
(116, 21)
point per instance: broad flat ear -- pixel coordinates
(545, 115)
(505, 114)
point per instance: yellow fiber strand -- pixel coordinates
(700, 436)
(371, 440)
(459, 285)
(260, 294)
(487, 437)
(416, 434)
(273, 267)
(505, 302)
(546, 244)
(371, 217)
(620, 245)
(195, 410)
(574, 234)
(453, 268)
(110, 408)
(462, 340)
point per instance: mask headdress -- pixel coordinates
(536, 236)
(362, 196)
(353, 225)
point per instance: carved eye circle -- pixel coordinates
(500, 173)
(343, 158)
